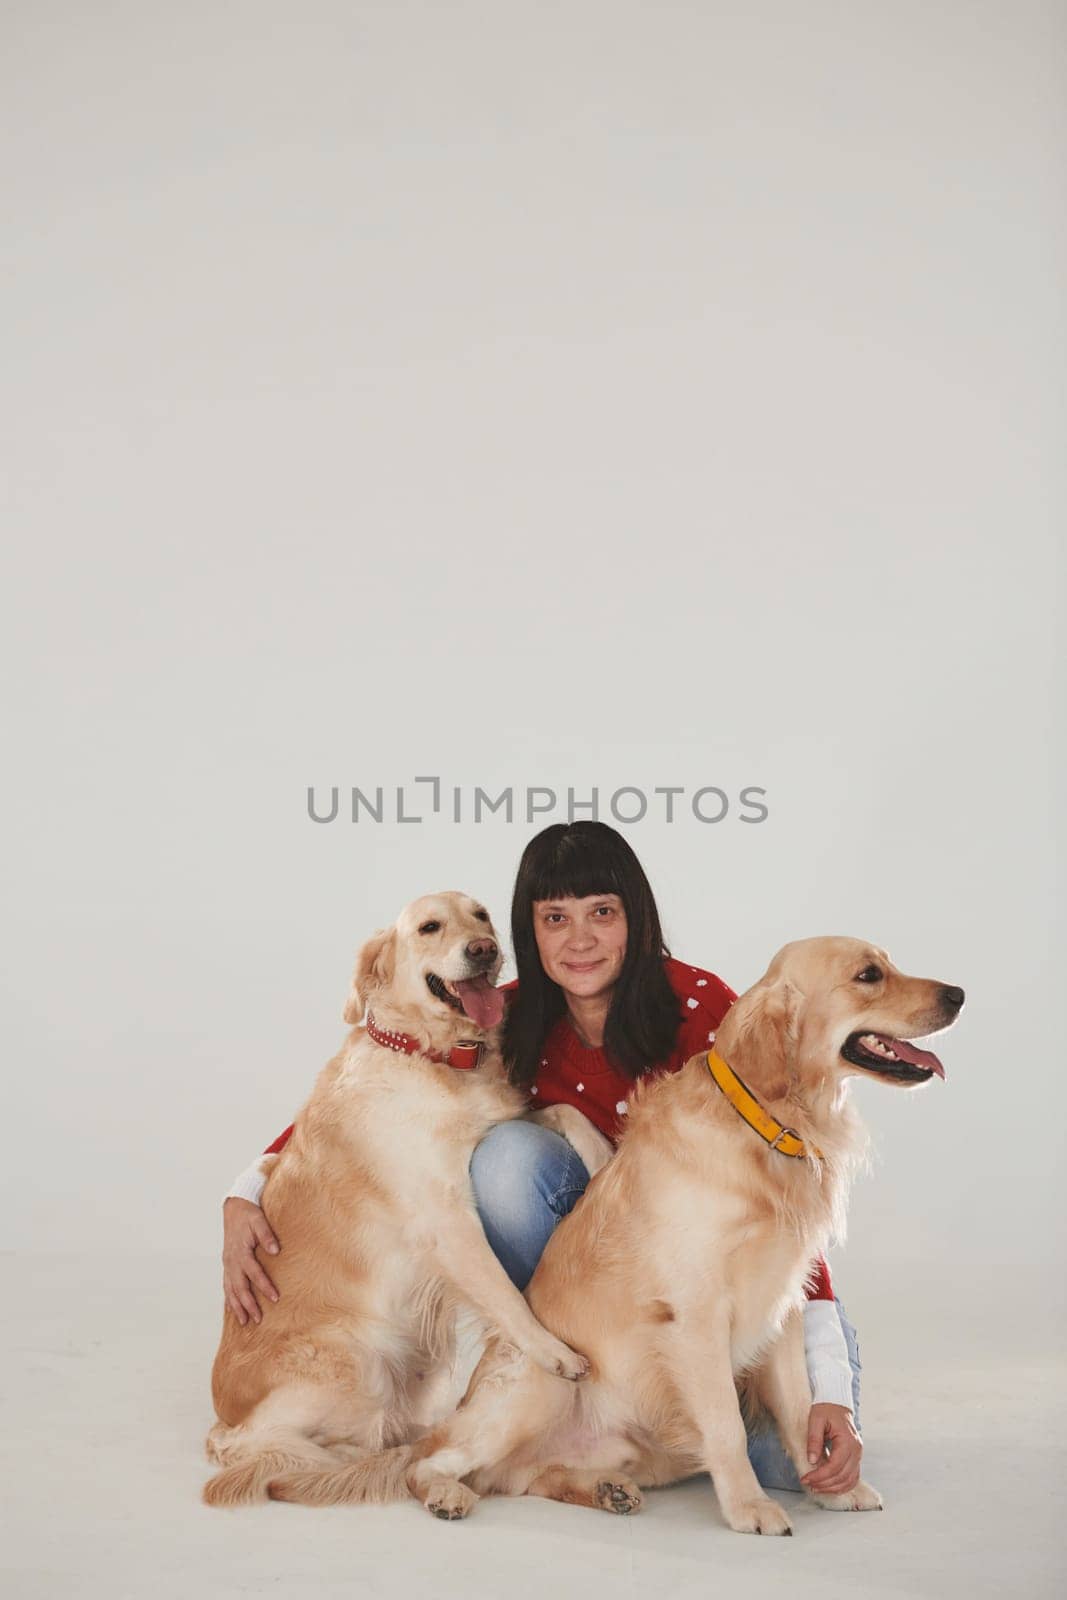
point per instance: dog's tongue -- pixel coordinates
(482, 1003)
(916, 1057)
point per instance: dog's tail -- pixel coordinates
(247, 1480)
(375, 1480)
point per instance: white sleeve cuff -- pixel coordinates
(826, 1353)
(250, 1184)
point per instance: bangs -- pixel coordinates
(572, 869)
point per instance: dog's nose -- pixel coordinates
(482, 949)
(952, 996)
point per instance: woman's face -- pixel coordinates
(582, 943)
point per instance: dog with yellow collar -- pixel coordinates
(680, 1275)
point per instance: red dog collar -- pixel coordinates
(467, 1053)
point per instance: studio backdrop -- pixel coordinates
(487, 429)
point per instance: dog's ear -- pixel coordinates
(760, 1034)
(375, 965)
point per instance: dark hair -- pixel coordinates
(580, 859)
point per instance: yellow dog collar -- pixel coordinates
(785, 1140)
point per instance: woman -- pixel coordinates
(598, 1002)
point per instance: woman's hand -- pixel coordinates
(840, 1470)
(243, 1228)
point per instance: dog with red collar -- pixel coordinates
(372, 1197)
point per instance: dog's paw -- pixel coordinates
(759, 1516)
(861, 1498)
(618, 1495)
(572, 1366)
(561, 1361)
(449, 1500)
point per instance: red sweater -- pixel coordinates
(574, 1074)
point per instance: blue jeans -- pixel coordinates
(525, 1181)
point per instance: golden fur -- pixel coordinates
(381, 1243)
(680, 1275)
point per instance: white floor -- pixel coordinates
(108, 1404)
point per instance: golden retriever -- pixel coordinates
(681, 1272)
(372, 1200)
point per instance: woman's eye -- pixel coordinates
(430, 927)
(604, 912)
(554, 916)
(870, 975)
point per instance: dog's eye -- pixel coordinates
(870, 974)
(482, 916)
(430, 927)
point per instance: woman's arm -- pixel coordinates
(825, 1350)
(244, 1227)
(829, 1369)
(835, 1448)
(249, 1184)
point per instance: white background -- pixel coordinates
(585, 394)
